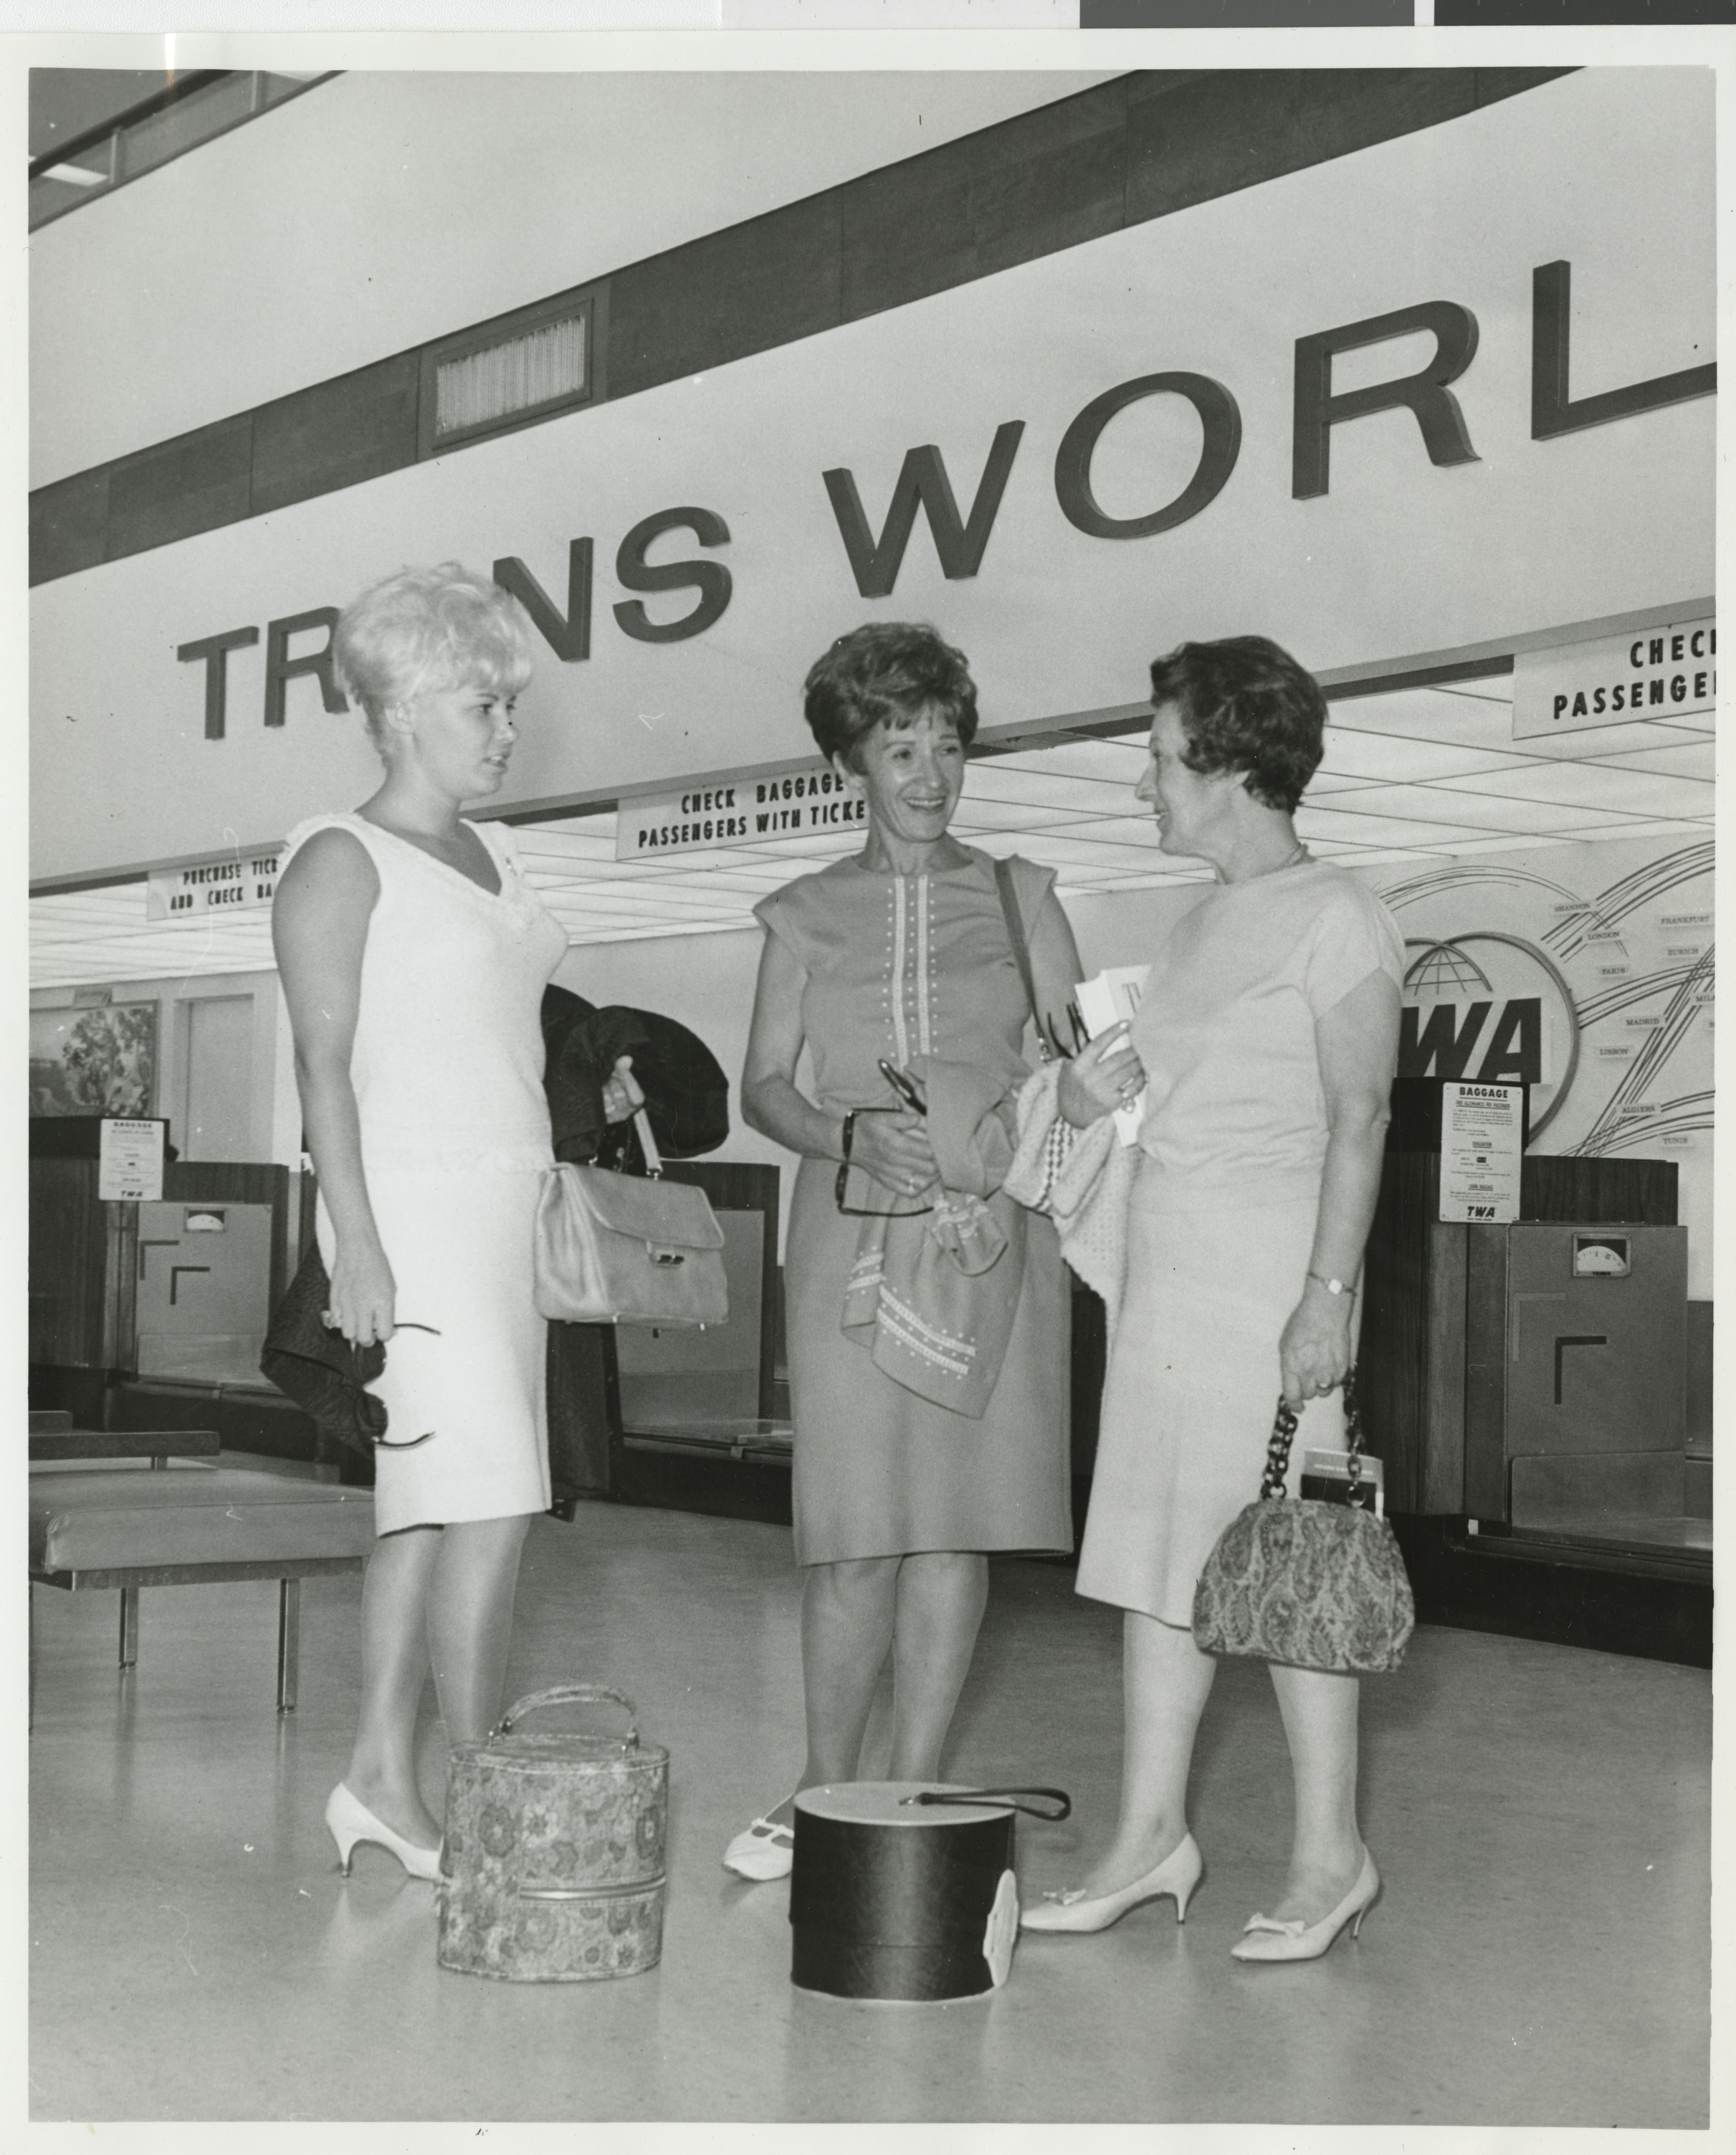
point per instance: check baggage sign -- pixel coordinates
(738, 811)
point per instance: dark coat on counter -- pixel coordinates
(687, 1093)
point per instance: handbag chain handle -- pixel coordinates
(1283, 1429)
(1021, 950)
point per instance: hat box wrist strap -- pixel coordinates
(1056, 1804)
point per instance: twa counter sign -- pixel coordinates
(1491, 1009)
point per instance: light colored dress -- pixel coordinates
(900, 966)
(447, 1069)
(1221, 1221)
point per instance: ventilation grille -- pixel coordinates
(502, 381)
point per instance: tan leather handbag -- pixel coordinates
(628, 1249)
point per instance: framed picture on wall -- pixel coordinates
(100, 1062)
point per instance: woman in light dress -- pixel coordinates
(413, 956)
(896, 955)
(1266, 1042)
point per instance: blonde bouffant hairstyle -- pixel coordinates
(430, 629)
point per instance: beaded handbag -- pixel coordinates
(1315, 1585)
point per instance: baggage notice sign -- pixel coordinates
(1481, 1143)
(130, 1164)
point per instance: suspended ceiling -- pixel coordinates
(1414, 775)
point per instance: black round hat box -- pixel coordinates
(893, 1899)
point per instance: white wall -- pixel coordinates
(275, 1124)
(380, 210)
(1643, 1086)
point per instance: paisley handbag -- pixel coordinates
(1312, 1585)
(628, 1249)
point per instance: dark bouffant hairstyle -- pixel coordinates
(883, 674)
(1246, 705)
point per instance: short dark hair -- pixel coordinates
(883, 674)
(1245, 704)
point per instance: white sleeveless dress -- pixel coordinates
(447, 1069)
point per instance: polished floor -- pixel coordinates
(1540, 1815)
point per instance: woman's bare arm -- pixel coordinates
(1357, 1042)
(319, 931)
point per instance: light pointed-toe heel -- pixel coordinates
(1266, 1939)
(1178, 1875)
(349, 1820)
(764, 1851)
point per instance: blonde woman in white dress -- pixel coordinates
(414, 957)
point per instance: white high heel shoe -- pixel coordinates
(764, 1850)
(349, 1821)
(1265, 1939)
(1178, 1875)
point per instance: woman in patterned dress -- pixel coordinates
(902, 953)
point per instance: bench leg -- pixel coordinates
(289, 1642)
(129, 1626)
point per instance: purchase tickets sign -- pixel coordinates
(738, 811)
(1669, 673)
(240, 883)
(1481, 1143)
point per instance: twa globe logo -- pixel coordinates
(1491, 1009)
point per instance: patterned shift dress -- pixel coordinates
(897, 966)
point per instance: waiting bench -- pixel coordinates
(110, 1510)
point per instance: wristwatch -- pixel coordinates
(1331, 1285)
